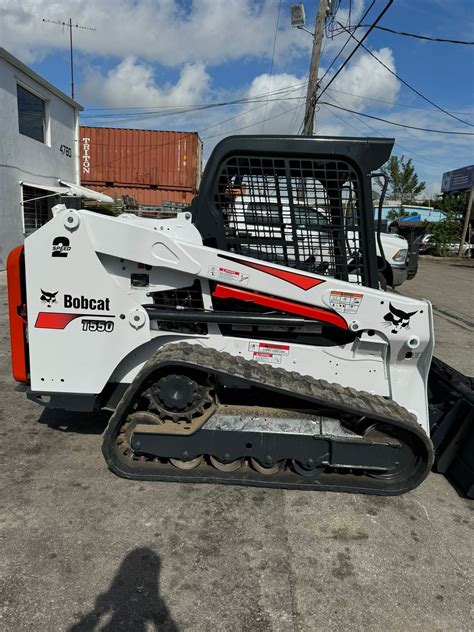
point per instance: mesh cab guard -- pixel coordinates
(301, 202)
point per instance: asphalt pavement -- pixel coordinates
(84, 550)
(449, 284)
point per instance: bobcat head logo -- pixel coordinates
(397, 319)
(48, 297)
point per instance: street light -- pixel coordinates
(298, 18)
(297, 14)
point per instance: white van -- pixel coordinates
(266, 227)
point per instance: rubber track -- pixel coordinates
(319, 392)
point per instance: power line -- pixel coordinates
(346, 43)
(438, 107)
(333, 6)
(132, 116)
(155, 115)
(401, 105)
(417, 36)
(271, 66)
(190, 106)
(409, 151)
(300, 107)
(379, 17)
(377, 118)
(127, 117)
(291, 88)
(238, 129)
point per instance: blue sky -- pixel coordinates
(160, 54)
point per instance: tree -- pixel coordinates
(403, 181)
(448, 230)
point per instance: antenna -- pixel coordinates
(70, 25)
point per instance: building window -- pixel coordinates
(31, 114)
(37, 205)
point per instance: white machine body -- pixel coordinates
(87, 326)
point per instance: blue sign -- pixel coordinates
(411, 218)
(458, 180)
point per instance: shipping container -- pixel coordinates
(145, 195)
(114, 157)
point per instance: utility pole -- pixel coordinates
(70, 26)
(323, 8)
(465, 228)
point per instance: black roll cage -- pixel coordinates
(363, 155)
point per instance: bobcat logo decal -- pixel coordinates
(48, 297)
(397, 319)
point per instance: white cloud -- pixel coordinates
(367, 78)
(132, 84)
(211, 31)
(195, 36)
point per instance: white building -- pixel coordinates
(39, 152)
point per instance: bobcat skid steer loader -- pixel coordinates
(229, 344)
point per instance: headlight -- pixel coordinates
(400, 255)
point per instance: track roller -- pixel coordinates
(307, 470)
(226, 466)
(268, 470)
(188, 464)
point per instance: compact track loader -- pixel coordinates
(244, 341)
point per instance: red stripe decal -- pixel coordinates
(315, 313)
(302, 281)
(16, 301)
(54, 320)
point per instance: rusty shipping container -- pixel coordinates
(154, 166)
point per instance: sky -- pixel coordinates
(148, 60)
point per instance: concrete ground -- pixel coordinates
(84, 550)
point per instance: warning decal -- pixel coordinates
(268, 352)
(346, 302)
(230, 276)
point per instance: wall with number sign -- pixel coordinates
(23, 159)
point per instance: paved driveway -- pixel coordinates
(85, 550)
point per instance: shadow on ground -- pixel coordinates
(77, 422)
(132, 601)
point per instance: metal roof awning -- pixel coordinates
(69, 189)
(46, 187)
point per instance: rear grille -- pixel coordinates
(300, 213)
(183, 298)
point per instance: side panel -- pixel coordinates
(81, 322)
